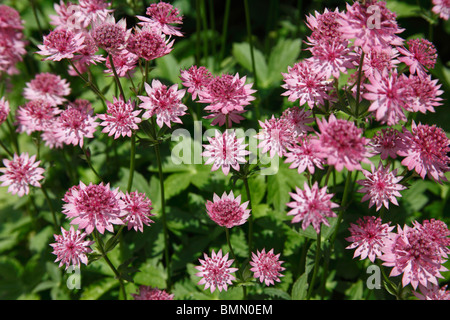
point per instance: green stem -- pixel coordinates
(241, 276)
(132, 161)
(50, 205)
(358, 88)
(116, 77)
(89, 83)
(224, 29)
(88, 160)
(316, 266)
(198, 30)
(13, 134)
(6, 149)
(250, 219)
(205, 34)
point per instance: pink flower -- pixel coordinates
(120, 118)
(36, 115)
(4, 110)
(266, 266)
(20, 173)
(298, 119)
(110, 35)
(163, 102)
(68, 16)
(381, 186)
(308, 83)
(49, 87)
(386, 93)
(87, 54)
(432, 292)
(312, 206)
(73, 125)
(442, 8)
(138, 210)
(438, 232)
(215, 271)
(324, 26)
(368, 237)
(149, 293)
(49, 136)
(195, 79)
(94, 207)
(61, 44)
(125, 64)
(385, 142)
(12, 45)
(226, 151)
(227, 211)
(422, 55)
(421, 93)
(93, 10)
(276, 135)
(10, 18)
(412, 253)
(379, 58)
(71, 248)
(425, 149)
(303, 155)
(161, 15)
(341, 143)
(149, 44)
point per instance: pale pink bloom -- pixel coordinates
(195, 79)
(82, 105)
(380, 186)
(20, 173)
(49, 136)
(266, 266)
(438, 232)
(138, 210)
(303, 155)
(227, 211)
(324, 26)
(442, 8)
(49, 87)
(68, 16)
(432, 292)
(412, 253)
(120, 118)
(386, 93)
(386, 143)
(341, 143)
(109, 35)
(61, 44)
(161, 15)
(420, 57)
(93, 10)
(73, 125)
(164, 102)
(225, 150)
(149, 44)
(10, 18)
(425, 149)
(150, 293)
(215, 271)
(71, 248)
(94, 207)
(379, 58)
(12, 45)
(308, 83)
(4, 109)
(87, 55)
(125, 64)
(298, 119)
(312, 206)
(368, 236)
(35, 115)
(421, 93)
(276, 135)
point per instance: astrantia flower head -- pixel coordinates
(162, 15)
(195, 79)
(150, 293)
(425, 149)
(379, 58)
(442, 8)
(227, 211)
(298, 120)
(68, 16)
(138, 210)
(61, 44)
(215, 271)
(110, 35)
(414, 254)
(125, 64)
(71, 247)
(94, 10)
(225, 150)
(303, 155)
(420, 57)
(36, 115)
(432, 292)
(49, 87)
(20, 173)
(324, 26)
(266, 266)
(94, 207)
(4, 109)
(438, 232)
(385, 142)
(276, 135)
(341, 143)
(381, 186)
(120, 118)
(149, 44)
(312, 206)
(421, 93)
(164, 102)
(10, 18)
(367, 237)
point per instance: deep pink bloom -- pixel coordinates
(227, 211)
(164, 102)
(225, 150)
(36, 115)
(215, 271)
(150, 293)
(61, 44)
(71, 248)
(195, 79)
(324, 26)
(120, 118)
(368, 236)
(432, 292)
(303, 155)
(10, 18)
(110, 35)
(420, 57)
(266, 266)
(12, 44)
(312, 206)
(442, 8)
(94, 207)
(380, 186)
(4, 109)
(138, 210)
(125, 64)
(385, 142)
(20, 173)
(425, 149)
(73, 125)
(421, 93)
(149, 44)
(414, 254)
(49, 87)
(379, 58)
(341, 143)
(161, 15)
(438, 232)
(308, 83)
(276, 135)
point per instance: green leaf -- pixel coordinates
(285, 53)
(300, 288)
(176, 183)
(97, 289)
(241, 52)
(403, 9)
